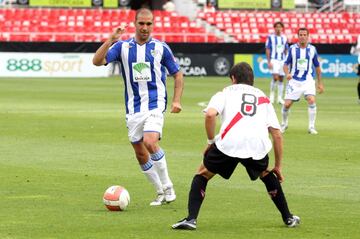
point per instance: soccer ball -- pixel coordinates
(116, 198)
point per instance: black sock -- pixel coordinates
(359, 90)
(196, 196)
(274, 189)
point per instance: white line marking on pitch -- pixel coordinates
(203, 104)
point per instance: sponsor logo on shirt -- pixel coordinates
(141, 71)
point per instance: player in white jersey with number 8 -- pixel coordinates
(144, 63)
(247, 118)
(298, 67)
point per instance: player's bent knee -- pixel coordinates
(151, 145)
(287, 104)
(203, 171)
(264, 173)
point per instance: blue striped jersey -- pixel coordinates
(277, 45)
(302, 62)
(144, 73)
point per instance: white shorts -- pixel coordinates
(138, 123)
(295, 89)
(278, 67)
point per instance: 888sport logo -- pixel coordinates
(23, 65)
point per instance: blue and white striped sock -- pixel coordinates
(146, 166)
(157, 155)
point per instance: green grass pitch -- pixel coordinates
(64, 141)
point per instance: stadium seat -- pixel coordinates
(42, 38)
(57, 24)
(19, 37)
(64, 38)
(318, 23)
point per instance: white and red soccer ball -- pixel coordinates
(116, 198)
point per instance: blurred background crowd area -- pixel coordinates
(180, 21)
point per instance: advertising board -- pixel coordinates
(13, 64)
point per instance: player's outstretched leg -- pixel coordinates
(275, 191)
(161, 166)
(196, 197)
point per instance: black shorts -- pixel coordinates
(358, 73)
(217, 162)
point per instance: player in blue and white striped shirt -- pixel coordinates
(145, 62)
(302, 59)
(276, 49)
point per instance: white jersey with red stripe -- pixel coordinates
(246, 114)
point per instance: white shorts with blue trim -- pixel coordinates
(295, 89)
(139, 123)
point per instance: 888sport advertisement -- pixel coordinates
(49, 65)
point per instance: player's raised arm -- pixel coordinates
(100, 54)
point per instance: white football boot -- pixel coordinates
(170, 195)
(158, 201)
(312, 131)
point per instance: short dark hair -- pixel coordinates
(303, 29)
(279, 23)
(242, 73)
(141, 10)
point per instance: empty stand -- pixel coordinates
(253, 27)
(91, 25)
(94, 25)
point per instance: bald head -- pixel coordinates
(143, 12)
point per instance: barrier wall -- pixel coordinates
(332, 66)
(205, 65)
(18, 64)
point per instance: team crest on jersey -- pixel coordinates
(128, 45)
(141, 71)
(154, 52)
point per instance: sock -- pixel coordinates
(358, 88)
(196, 196)
(312, 115)
(272, 89)
(285, 115)
(161, 167)
(280, 89)
(152, 176)
(274, 189)
(272, 86)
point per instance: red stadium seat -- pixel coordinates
(48, 24)
(64, 38)
(195, 39)
(43, 38)
(19, 37)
